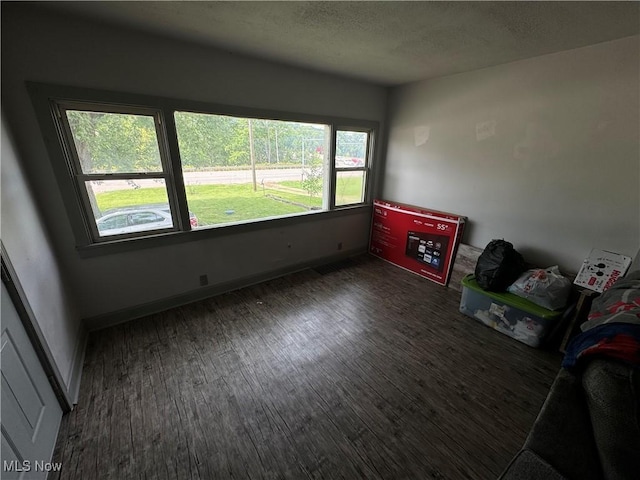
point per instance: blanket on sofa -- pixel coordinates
(612, 329)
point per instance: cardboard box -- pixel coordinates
(601, 269)
(417, 239)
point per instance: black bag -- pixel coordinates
(499, 266)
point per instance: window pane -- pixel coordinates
(350, 187)
(128, 206)
(351, 149)
(239, 169)
(115, 142)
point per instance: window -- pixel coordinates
(120, 169)
(132, 166)
(351, 167)
(242, 169)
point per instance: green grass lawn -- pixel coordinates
(348, 189)
(128, 198)
(216, 204)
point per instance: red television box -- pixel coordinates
(417, 239)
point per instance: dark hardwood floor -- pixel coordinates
(365, 371)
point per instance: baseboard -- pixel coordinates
(131, 313)
(75, 372)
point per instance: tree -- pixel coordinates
(111, 142)
(351, 144)
(313, 176)
(83, 128)
(83, 131)
(114, 142)
(204, 139)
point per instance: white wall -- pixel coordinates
(47, 47)
(561, 172)
(36, 267)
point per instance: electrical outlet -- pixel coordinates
(204, 280)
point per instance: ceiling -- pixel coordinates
(386, 43)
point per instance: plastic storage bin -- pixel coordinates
(508, 313)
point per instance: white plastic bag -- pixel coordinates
(545, 287)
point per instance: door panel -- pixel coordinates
(18, 387)
(31, 413)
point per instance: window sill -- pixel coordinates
(174, 238)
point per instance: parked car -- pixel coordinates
(138, 219)
(193, 220)
(349, 162)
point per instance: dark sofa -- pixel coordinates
(589, 426)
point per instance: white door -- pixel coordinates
(31, 413)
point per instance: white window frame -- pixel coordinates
(327, 203)
(81, 177)
(365, 168)
(48, 100)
